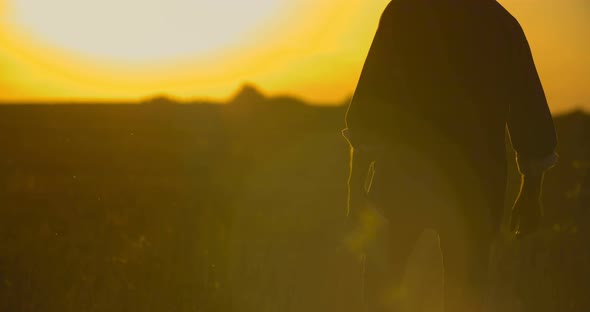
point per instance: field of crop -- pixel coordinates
(201, 207)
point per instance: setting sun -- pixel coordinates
(129, 49)
(143, 31)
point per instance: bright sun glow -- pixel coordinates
(129, 49)
(142, 30)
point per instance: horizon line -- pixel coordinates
(172, 98)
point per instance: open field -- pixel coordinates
(239, 207)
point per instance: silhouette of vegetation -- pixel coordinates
(240, 207)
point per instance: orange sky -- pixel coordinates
(314, 49)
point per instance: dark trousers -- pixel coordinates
(408, 199)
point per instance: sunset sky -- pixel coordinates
(64, 50)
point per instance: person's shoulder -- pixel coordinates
(508, 20)
(392, 4)
(396, 10)
(395, 6)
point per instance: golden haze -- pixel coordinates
(314, 49)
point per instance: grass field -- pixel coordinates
(165, 207)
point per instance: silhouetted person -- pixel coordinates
(442, 81)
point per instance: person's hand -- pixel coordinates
(526, 214)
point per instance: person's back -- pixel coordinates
(442, 80)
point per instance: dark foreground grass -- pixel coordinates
(220, 208)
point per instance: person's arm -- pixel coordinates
(362, 111)
(532, 132)
(378, 91)
(528, 210)
(361, 157)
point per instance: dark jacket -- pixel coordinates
(448, 76)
